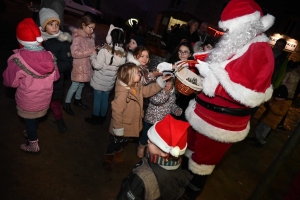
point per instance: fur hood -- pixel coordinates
(64, 36)
(119, 51)
(79, 32)
(131, 59)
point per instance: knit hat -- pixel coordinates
(140, 41)
(28, 33)
(238, 12)
(108, 37)
(170, 135)
(281, 92)
(46, 15)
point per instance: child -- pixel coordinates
(82, 47)
(161, 104)
(105, 65)
(59, 44)
(134, 42)
(32, 70)
(158, 175)
(276, 109)
(140, 57)
(127, 110)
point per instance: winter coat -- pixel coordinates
(291, 80)
(104, 74)
(127, 108)
(280, 65)
(33, 74)
(275, 112)
(160, 106)
(60, 48)
(146, 76)
(81, 49)
(139, 184)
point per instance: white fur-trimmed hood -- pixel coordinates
(130, 58)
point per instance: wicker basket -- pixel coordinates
(185, 87)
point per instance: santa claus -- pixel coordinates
(237, 78)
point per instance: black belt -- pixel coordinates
(229, 111)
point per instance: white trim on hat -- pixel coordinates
(25, 43)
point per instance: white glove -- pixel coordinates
(202, 68)
(164, 66)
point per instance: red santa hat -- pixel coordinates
(170, 135)
(238, 12)
(28, 33)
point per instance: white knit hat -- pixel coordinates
(28, 33)
(46, 15)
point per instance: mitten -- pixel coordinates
(164, 66)
(202, 68)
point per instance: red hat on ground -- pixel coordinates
(238, 12)
(170, 135)
(28, 33)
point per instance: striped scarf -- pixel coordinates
(163, 161)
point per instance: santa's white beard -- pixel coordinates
(234, 40)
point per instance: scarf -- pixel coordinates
(163, 162)
(47, 36)
(33, 47)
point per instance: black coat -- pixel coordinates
(61, 50)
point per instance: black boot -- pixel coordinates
(61, 125)
(78, 102)
(67, 108)
(195, 187)
(94, 120)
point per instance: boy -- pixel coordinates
(158, 175)
(276, 110)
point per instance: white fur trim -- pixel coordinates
(64, 36)
(24, 43)
(130, 58)
(175, 151)
(213, 132)
(200, 169)
(267, 21)
(236, 23)
(39, 39)
(119, 131)
(161, 82)
(218, 74)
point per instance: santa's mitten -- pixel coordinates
(164, 66)
(202, 68)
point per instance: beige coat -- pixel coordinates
(127, 109)
(81, 49)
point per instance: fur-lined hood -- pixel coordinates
(65, 36)
(131, 59)
(79, 32)
(119, 51)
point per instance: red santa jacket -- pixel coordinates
(243, 81)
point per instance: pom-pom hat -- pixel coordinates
(28, 33)
(170, 135)
(46, 15)
(238, 12)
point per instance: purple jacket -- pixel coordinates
(33, 74)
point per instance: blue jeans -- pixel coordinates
(144, 136)
(75, 87)
(261, 132)
(100, 102)
(31, 128)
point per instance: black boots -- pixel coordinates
(95, 120)
(67, 108)
(61, 125)
(78, 102)
(195, 187)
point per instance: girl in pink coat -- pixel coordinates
(32, 70)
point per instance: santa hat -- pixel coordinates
(108, 37)
(28, 33)
(170, 135)
(238, 12)
(46, 15)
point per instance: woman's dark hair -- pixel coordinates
(117, 38)
(86, 20)
(174, 58)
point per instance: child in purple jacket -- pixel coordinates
(32, 70)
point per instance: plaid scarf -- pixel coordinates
(163, 161)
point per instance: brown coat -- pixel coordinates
(274, 114)
(81, 49)
(127, 108)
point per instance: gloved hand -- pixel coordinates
(202, 68)
(164, 66)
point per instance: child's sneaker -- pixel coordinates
(31, 147)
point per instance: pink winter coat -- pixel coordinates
(33, 74)
(81, 49)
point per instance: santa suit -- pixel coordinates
(243, 81)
